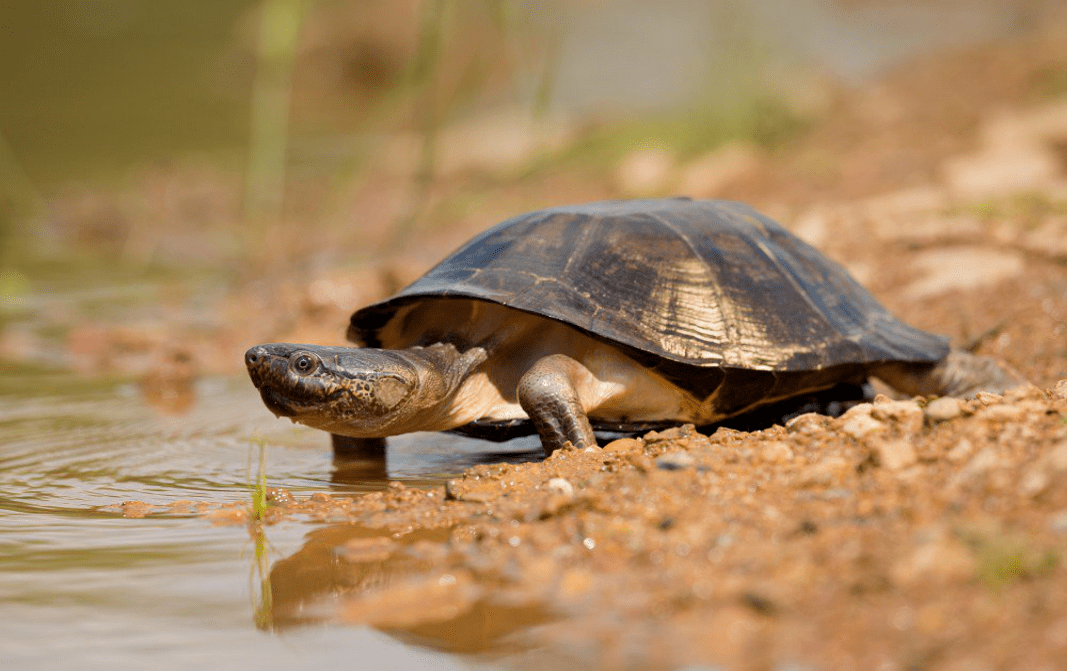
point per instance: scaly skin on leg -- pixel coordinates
(960, 374)
(547, 394)
(352, 448)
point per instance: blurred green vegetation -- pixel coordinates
(276, 50)
(1027, 210)
(91, 88)
(1003, 558)
(764, 121)
(192, 134)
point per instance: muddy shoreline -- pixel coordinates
(904, 534)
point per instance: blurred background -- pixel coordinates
(179, 179)
(182, 179)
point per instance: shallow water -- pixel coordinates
(84, 587)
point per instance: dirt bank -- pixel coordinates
(900, 535)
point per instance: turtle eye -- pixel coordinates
(304, 363)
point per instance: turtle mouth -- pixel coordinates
(277, 403)
(281, 404)
(284, 405)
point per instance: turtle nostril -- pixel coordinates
(252, 356)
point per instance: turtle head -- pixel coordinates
(361, 392)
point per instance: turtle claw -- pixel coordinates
(547, 394)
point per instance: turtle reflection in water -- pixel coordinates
(619, 315)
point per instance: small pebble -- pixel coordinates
(696, 442)
(935, 560)
(1034, 482)
(894, 455)
(858, 410)
(280, 497)
(623, 445)
(807, 424)
(907, 415)
(960, 451)
(675, 460)
(1002, 413)
(1045, 471)
(452, 491)
(136, 509)
(560, 486)
(943, 409)
(776, 452)
(758, 603)
(641, 462)
(728, 435)
(983, 461)
(670, 434)
(460, 489)
(859, 426)
(1023, 392)
(1059, 522)
(227, 516)
(825, 472)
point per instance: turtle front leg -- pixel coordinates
(352, 448)
(547, 393)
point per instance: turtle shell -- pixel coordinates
(698, 283)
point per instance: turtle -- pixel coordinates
(611, 316)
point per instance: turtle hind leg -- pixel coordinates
(548, 396)
(960, 374)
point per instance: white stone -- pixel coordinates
(943, 409)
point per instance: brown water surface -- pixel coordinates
(84, 587)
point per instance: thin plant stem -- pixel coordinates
(276, 52)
